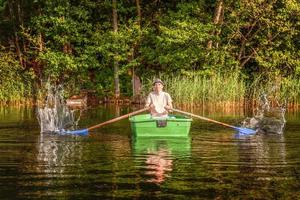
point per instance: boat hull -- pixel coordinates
(173, 126)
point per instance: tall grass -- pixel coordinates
(196, 89)
(227, 88)
(199, 89)
(290, 90)
(15, 83)
(14, 91)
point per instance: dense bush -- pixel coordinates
(243, 44)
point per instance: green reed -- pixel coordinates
(290, 90)
(198, 89)
(192, 89)
(280, 90)
(227, 88)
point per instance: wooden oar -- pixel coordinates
(240, 129)
(86, 131)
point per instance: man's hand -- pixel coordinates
(169, 108)
(147, 106)
(150, 106)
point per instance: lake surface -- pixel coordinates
(213, 163)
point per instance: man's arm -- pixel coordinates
(169, 105)
(148, 102)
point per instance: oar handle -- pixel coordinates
(117, 119)
(204, 118)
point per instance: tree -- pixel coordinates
(218, 18)
(116, 64)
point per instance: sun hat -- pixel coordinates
(158, 81)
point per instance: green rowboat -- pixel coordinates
(172, 126)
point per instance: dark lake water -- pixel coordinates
(212, 163)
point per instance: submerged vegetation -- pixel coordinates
(206, 51)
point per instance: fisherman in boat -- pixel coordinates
(158, 101)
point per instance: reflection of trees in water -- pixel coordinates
(56, 152)
(262, 152)
(51, 168)
(262, 160)
(16, 117)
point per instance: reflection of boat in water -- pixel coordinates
(177, 146)
(156, 155)
(172, 126)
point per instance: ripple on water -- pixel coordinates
(109, 164)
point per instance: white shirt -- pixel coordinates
(159, 100)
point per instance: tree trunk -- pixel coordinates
(21, 23)
(136, 84)
(40, 36)
(116, 64)
(40, 42)
(16, 37)
(139, 13)
(116, 79)
(218, 18)
(136, 81)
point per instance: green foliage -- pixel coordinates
(289, 89)
(262, 35)
(181, 41)
(2, 5)
(15, 85)
(73, 42)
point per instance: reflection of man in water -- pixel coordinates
(158, 164)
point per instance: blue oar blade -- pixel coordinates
(245, 131)
(81, 132)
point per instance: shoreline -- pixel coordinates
(81, 102)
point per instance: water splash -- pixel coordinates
(267, 119)
(53, 114)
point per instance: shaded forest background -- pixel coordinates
(205, 50)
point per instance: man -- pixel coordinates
(158, 101)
